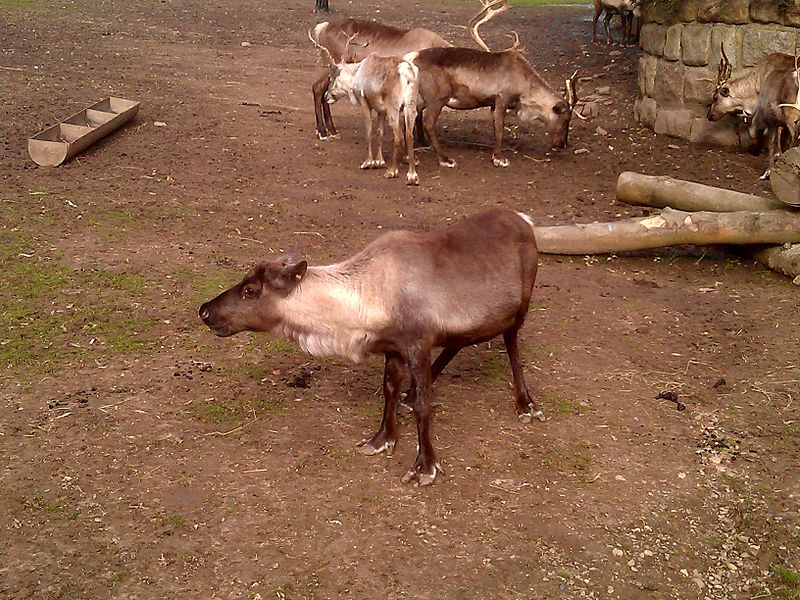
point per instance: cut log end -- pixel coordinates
(785, 177)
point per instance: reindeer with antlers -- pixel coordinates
(352, 40)
(466, 79)
(762, 96)
(384, 87)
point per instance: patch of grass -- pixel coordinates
(209, 284)
(786, 575)
(284, 347)
(235, 410)
(47, 309)
(563, 405)
(175, 524)
(494, 369)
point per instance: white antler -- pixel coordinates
(488, 11)
(571, 95)
(321, 47)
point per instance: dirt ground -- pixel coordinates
(142, 457)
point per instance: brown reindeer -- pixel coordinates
(765, 96)
(402, 296)
(466, 79)
(627, 10)
(368, 37)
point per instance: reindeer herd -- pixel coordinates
(408, 293)
(406, 77)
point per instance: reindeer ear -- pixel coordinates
(286, 274)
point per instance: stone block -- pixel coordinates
(677, 123)
(652, 39)
(729, 36)
(791, 13)
(729, 132)
(766, 11)
(668, 88)
(686, 10)
(760, 40)
(656, 11)
(696, 88)
(650, 67)
(645, 110)
(696, 44)
(672, 43)
(733, 12)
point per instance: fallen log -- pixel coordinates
(783, 259)
(785, 177)
(671, 228)
(663, 192)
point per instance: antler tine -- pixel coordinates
(321, 47)
(725, 64)
(516, 45)
(486, 13)
(572, 95)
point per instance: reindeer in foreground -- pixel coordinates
(763, 97)
(387, 87)
(465, 79)
(352, 40)
(402, 296)
(627, 10)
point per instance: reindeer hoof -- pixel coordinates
(449, 163)
(370, 164)
(370, 448)
(540, 416)
(412, 179)
(500, 162)
(422, 478)
(766, 174)
(524, 418)
(390, 173)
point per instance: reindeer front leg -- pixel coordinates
(369, 163)
(425, 467)
(773, 143)
(393, 116)
(499, 116)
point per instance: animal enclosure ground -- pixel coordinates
(142, 457)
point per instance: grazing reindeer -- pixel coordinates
(372, 38)
(402, 296)
(761, 97)
(465, 79)
(386, 87)
(626, 9)
(322, 5)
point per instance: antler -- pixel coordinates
(571, 95)
(486, 13)
(725, 69)
(321, 47)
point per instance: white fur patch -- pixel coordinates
(526, 218)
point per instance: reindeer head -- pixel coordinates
(543, 105)
(343, 82)
(724, 101)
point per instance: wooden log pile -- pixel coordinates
(691, 213)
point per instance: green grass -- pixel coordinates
(283, 347)
(49, 313)
(563, 405)
(787, 576)
(233, 411)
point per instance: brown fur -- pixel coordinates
(371, 37)
(465, 79)
(401, 296)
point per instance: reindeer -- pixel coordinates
(386, 87)
(465, 79)
(762, 98)
(352, 40)
(402, 296)
(627, 10)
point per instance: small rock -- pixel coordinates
(246, 44)
(615, 53)
(601, 131)
(617, 552)
(681, 475)
(581, 151)
(159, 124)
(673, 147)
(604, 90)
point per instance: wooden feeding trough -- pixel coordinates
(61, 142)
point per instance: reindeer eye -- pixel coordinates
(559, 108)
(249, 292)
(724, 92)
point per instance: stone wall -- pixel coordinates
(680, 43)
